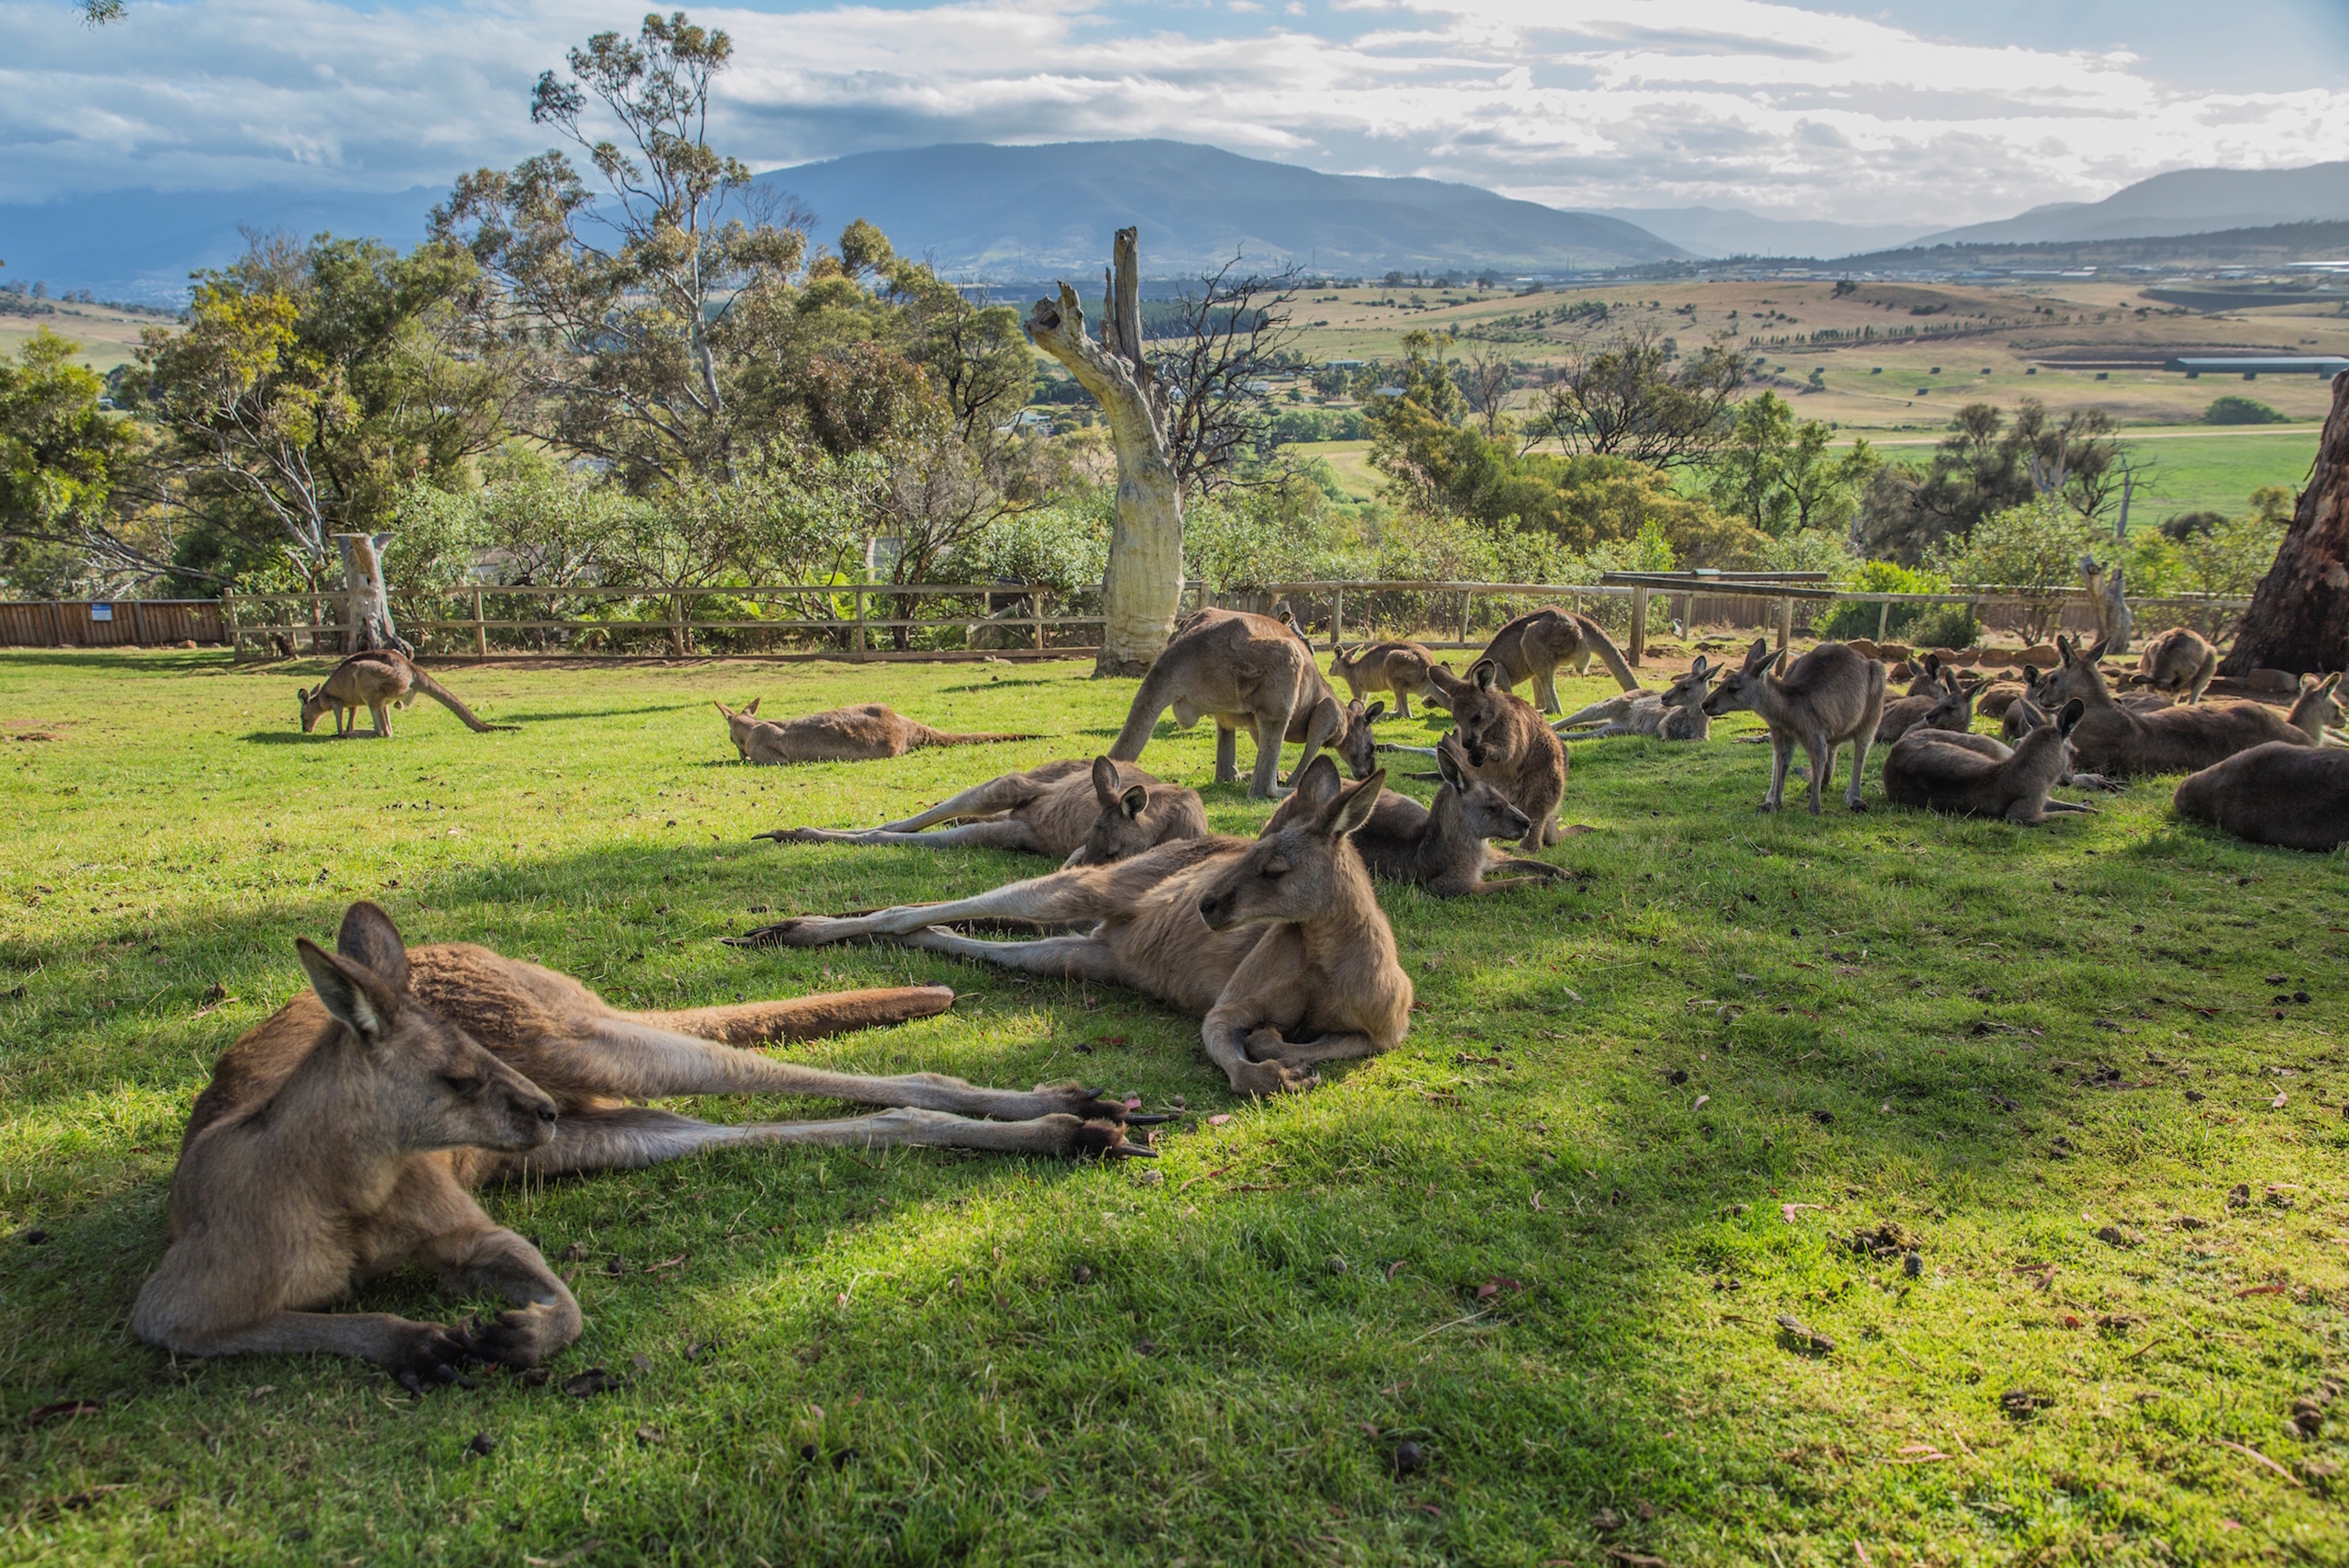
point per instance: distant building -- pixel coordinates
(2251, 365)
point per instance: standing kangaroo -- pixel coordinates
(2294, 796)
(1508, 744)
(1401, 668)
(1079, 813)
(380, 680)
(1244, 670)
(340, 1138)
(1675, 713)
(1974, 776)
(1443, 848)
(1278, 943)
(1533, 646)
(1827, 699)
(2180, 661)
(2114, 740)
(860, 734)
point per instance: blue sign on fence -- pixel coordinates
(101, 612)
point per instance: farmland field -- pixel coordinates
(2091, 1077)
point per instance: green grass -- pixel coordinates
(2190, 470)
(1977, 1033)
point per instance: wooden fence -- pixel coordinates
(101, 624)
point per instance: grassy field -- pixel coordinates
(2092, 1073)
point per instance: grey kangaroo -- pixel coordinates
(1829, 698)
(1973, 775)
(1079, 813)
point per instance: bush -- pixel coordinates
(2242, 411)
(1944, 626)
(1849, 620)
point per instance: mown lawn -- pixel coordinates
(1648, 1109)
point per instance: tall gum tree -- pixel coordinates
(2299, 618)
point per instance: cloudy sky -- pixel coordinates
(1930, 111)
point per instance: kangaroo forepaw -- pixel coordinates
(522, 1337)
(1262, 1078)
(433, 1354)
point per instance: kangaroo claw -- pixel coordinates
(1130, 1151)
(1153, 1120)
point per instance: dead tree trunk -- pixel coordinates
(1142, 591)
(369, 613)
(2109, 604)
(2299, 618)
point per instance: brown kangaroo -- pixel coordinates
(1079, 813)
(2114, 740)
(1442, 848)
(1508, 744)
(2179, 663)
(860, 734)
(1949, 708)
(2317, 712)
(1399, 668)
(338, 1139)
(1675, 713)
(1278, 943)
(1533, 646)
(1242, 669)
(380, 680)
(2294, 796)
(1974, 776)
(1829, 698)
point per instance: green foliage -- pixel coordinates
(2211, 552)
(61, 456)
(2235, 410)
(1777, 472)
(1065, 543)
(1944, 626)
(2034, 549)
(1853, 620)
(1810, 550)
(1986, 465)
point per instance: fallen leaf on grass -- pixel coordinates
(63, 1410)
(587, 1384)
(1635, 1560)
(1920, 1454)
(1220, 1118)
(1786, 1210)
(2254, 1453)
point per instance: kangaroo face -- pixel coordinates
(1122, 829)
(1480, 718)
(1291, 872)
(1741, 687)
(1691, 689)
(1356, 746)
(314, 703)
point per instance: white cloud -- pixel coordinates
(1778, 106)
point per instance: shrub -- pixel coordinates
(1944, 626)
(2034, 548)
(1853, 620)
(2232, 410)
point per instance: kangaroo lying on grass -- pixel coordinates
(2294, 796)
(860, 734)
(1080, 813)
(1276, 942)
(2179, 663)
(379, 681)
(1442, 848)
(1506, 743)
(1974, 776)
(338, 1139)
(1533, 646)
(2114, 740)
(1401, 668)
(1675, 713)
(1829, 698)
(1949, 707)
(1245, 670)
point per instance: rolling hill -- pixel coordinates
(2183, 201)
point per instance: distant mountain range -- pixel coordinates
(1714, 231)
(2183, 201)
(1025, 212)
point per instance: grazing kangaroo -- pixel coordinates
(1829, 697)
(1399, 668)
(2294, 796)
(861, 734)
(1675, 713)
(338, 1139)
(379, 681)
(1278, 943)
(1974, 776)
(2114, 740)
(1533, 646)
(1079, 813)
(1508, 744)
(2180, 661)
(1949, 707)
(1245, 670)
(1442, 848)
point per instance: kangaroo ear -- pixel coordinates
(1319, 784)
(1372, 714)
(755, 705)
(1447, 767)
(1934, 665)
(1104, 781)
(1134, 801)
(368, 937)
(1486, 674)
(1778, 661)
(355, 994)
(1352, 808)
(2069, 719)
(2331, 684)
(721, 707)
(1701, 668)
(2093, 654)
(1757, 655)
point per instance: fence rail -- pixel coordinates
(888, 621)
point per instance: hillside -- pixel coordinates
(2183, 201)
(2279, 245)
(1034, 212)
(1714, 231)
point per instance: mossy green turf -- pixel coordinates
(1982, 1034)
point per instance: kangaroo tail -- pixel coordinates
(805, 1018)
(1595, 637)
(942, 738)
(447, 699)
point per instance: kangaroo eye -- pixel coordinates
(1276, 867)
(468, 1087)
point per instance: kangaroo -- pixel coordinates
(1278, 943)
(1533, 646)
(1504, 740)
(340, 1138)
(2317, 712)
(1397, 668)
(2180, 661)
(380, 680)
(1675, 713)
(1079, 813)
(1245, 670)
(1974, 776)
(2294, 796)
(859, 734)
(2116, 740)
(1442, 848)
(1951, 707)
(1827, 697)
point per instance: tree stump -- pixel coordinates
(369, 614)
(2299, 618)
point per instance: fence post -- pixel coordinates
(138, 622)
(1785, 620)
(480, 632)
(1036, 603)
(1463, 616)
(1883, 618)
(1638, 624)
(228, 624)
(856, 637)
(1337, 619)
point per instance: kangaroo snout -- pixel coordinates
(1216, 910)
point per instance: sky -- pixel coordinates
(1927, 111)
